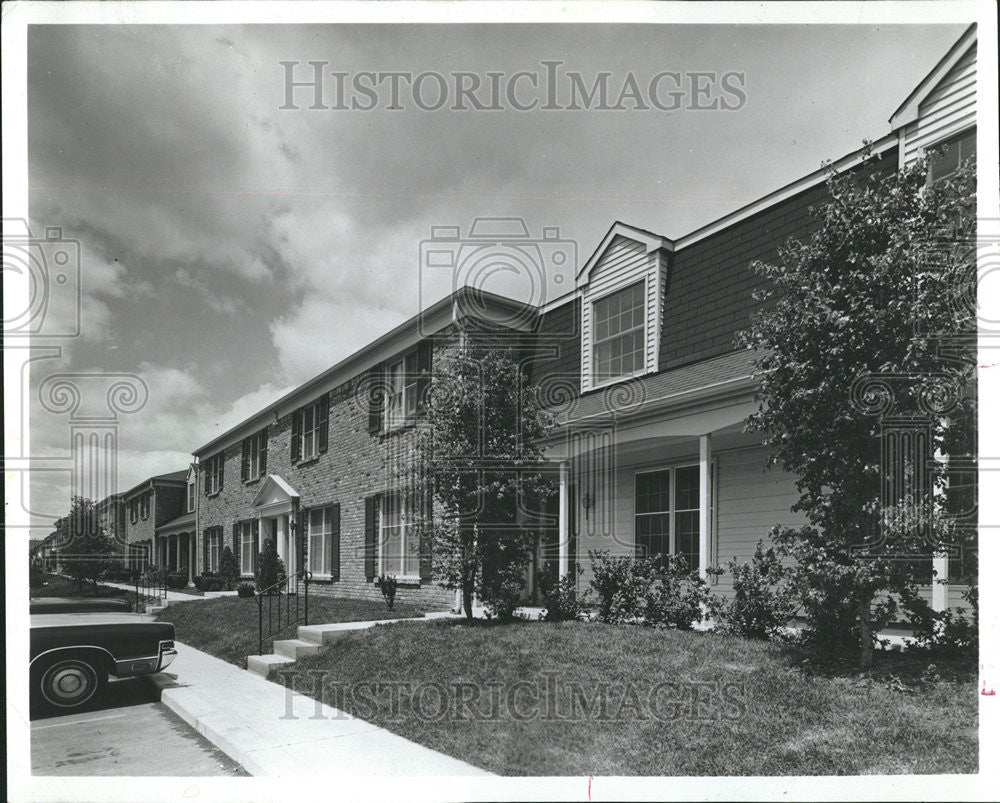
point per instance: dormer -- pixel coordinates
(622, 288)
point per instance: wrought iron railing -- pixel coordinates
(149, 585)
(286, 603)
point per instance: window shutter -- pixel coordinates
(245, 460)
(335, 542)
(207, 475)
(425, 353)
(263, 452)
(376, 399)
(324, 422)
(425, 537)
(255, 534)
(296, 435)
(370, 526)
(204, 550)
(237, 546)
(221, 457)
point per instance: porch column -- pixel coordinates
(192, 552)
(704, 501)
(564, 533)
(939, 591)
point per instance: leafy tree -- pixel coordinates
(229, 568)
(483, 463)
(270, 568)
(85, 548)
(883, 288)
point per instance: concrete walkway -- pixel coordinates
(270, 730)
(172, 596)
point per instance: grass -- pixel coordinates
(226, 627)
(57, 585)
(738, 707)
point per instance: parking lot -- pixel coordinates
(125, 732)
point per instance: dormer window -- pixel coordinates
(620, 334)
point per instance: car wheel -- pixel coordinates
(70, 682)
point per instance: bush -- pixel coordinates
(270, 568)
(387, 585)
(117, 572)
(229, 568)
(679, 597)
(559, 594)
(946, 633)
(763, 599)
(36, 577)
(209, 581)
(622, 585)
(501, 591)
(245, 589)
(178, 579)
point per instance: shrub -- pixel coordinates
(763, 599)
(501, 591)
(270, 568)
(229, 568)
(387, 585)
(622, 585)
(245, 589)
(679, 597)
(946, 633)
(117, 572)
(178, 579)
(209, 581)
(36, 577)
(562, 602)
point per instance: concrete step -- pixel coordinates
(326, 634)
(264, 665)
(295, 648)
(152, 610)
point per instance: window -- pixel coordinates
(190, 496)
(254, 463)
(144, 505)
(400, 537)
(666, 514)
(321, 545)
(954, 151)
(401, 395)
(246, 530)
(214, 469)
(213, 548)
(620, 334)
(310, 430)
(133, 510)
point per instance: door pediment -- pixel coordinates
(274, 492)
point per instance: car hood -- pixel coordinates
(78, 604)
(89, 618)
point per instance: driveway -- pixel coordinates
(127, 732)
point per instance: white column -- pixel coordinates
(704, 502)
(939, 591)
(564, 533)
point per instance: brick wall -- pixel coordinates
(169, 502)
(141, 529)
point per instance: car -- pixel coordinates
(76, 644)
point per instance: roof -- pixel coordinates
(185, 520)
(653, 242)
(425, 323)
(732, 371)
(909, 109)
(173, 476)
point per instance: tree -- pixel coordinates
(882, 290)
(482, 463)
(85, 547)
(270, 568)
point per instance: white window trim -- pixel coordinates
(407, 393)
(400, 578)
(246, 525)
(214, 545)
(595, 384)
(192, 494)
(314, 453)
(214, 469)
(713, 513)
(328, 522)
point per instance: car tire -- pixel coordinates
(69, 681)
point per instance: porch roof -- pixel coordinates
(730, 372)
(181, 524)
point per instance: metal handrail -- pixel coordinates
(283, 589)
(152, 584)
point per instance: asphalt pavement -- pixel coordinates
(127, 731)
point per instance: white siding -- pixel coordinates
(946, 111)
(624, 262)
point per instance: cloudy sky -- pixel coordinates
(232, 249)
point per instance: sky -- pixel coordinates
(232, 249)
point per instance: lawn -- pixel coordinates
(57, 585)
(593, 699)
(226, 627)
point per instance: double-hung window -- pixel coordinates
(214, 474)
(254, 464)
(400, 536)
(321, 540)
(213, 551)
(666, 514)
(953, 152)
(310, 429)
(619, 324)
(245, 530)
(401, 395)
(190, 496)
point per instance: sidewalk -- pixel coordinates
(272, 731)
(172, 596)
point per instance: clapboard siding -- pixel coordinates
(946, 111)
(624, 262)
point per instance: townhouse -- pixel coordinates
(638, 362)
(149, 513)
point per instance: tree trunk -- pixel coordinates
(467, 599)
(867, 646)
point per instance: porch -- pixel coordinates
(175, 545)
